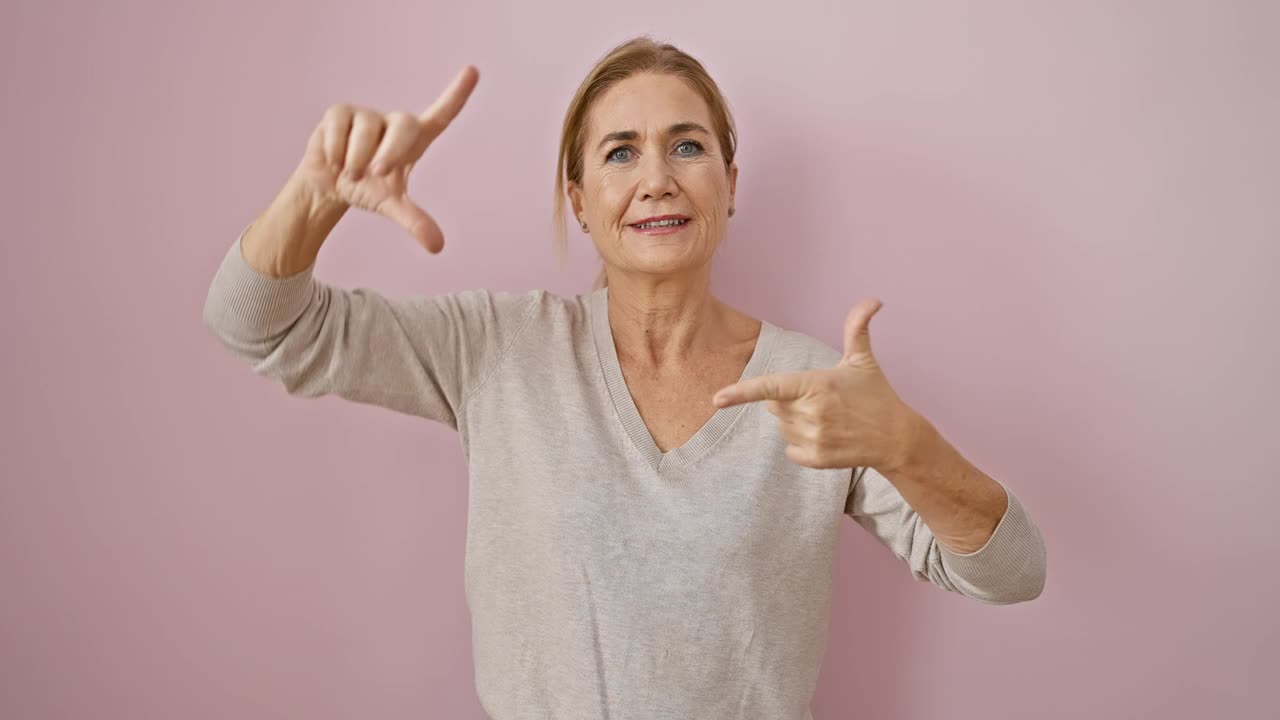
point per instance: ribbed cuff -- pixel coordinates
(1010, 567)
(250, 304)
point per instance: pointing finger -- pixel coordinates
(442, 112)
(768, 387)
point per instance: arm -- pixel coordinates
(951, 523)
(959, 503)
(286, 238)
(420, 356)
(994, 552)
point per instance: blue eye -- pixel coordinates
(613, 155)
(696, 148)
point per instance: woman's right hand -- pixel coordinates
(360, 158)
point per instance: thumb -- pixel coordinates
(405, 213)
(857, 328)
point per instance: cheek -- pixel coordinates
(612, 194)
(710, 190)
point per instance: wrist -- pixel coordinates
(286, 238)
(317, 208)
(917, 436)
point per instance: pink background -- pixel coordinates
(1069, 210)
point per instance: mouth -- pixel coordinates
(660, 224)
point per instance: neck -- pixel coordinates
(666, 322)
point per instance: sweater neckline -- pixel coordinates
(625, 407)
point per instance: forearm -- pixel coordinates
(286, 238)
(959, 503)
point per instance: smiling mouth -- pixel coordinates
(670, 222)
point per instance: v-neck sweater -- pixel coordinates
(605, 578)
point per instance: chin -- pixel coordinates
(671, 264)
(663, 254)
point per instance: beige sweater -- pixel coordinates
(605, 578)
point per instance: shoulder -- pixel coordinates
(548, 306)
(509, 302)
(525, 307)
(795, 351)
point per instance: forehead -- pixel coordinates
(647, 103)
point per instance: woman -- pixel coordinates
(643, 539)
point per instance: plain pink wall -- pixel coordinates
(1069, 210)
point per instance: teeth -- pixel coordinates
(662, 223)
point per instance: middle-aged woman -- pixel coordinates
(656, 478)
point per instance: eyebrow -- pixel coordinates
(627, 135)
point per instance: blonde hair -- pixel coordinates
(633, 57)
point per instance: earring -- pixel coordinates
(584, 225)
(730, 212)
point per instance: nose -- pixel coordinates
(656, 180)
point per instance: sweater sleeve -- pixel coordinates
(1010, 568)
(421, 356)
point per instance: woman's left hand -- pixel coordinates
(847, 416)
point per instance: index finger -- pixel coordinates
(767, 387)
(446, 107)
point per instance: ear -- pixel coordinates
(575, 198)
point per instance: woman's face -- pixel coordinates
(651, 152)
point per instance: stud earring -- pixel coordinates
(584, 225)
(730, 212)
